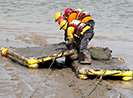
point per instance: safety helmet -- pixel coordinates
(57, 15)
(79, 10)
(86, 13)
(63, 24)
(67, 11)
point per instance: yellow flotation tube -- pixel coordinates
(125, 74)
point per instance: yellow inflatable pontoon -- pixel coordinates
(33, 56)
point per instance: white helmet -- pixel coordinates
(80, 10)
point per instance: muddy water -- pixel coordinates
(29, 23)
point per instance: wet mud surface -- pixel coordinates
(18, 21)
(33, 38)
(18, 81)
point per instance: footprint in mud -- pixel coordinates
(33, 38)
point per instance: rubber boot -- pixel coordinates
(85, 57)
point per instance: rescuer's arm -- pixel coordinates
(70, 33)
(85, 29)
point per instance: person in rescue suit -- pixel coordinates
(79, 30)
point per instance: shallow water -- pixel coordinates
(35, 17)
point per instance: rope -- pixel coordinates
(97, 83)
(49, 68)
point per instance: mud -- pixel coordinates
(19, 19)
(20, 82)
(33, 38)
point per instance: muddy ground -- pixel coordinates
(30, 23)
(18, 81)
